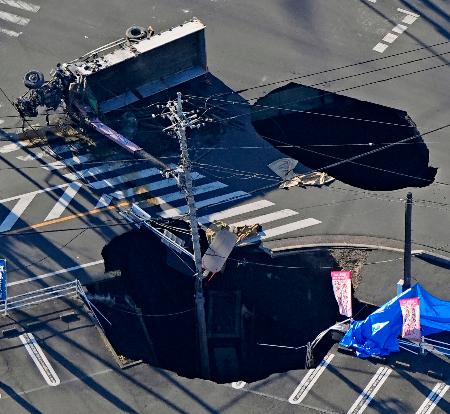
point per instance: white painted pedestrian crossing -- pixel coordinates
(14, 146)
(12, 18)
(70, 162)
(64, 201)
(433, 398)
(235, 211)
(281, 230)
(106, 199)
(177, 212)
(121, 179)
(266, 218)
(121, 183)
(23, 5)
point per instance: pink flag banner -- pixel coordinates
(342, 287)
(411, 319)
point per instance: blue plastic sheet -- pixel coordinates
(378, 334)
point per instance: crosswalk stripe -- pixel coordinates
(266, 218)
(278, 231)
(64, 201)
(23, 5)
(174, 212)
(49, 151)
(16, 212)
(11, 33)
(433, 398)
(132, 176)
(106, 199)
(14, 146)
(179, 195)
(309, 380)
(369, 392)
(14, 18)
(91, 172)
(58, 165)
(235, 211)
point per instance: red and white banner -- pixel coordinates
(342, 287)
(411, 318)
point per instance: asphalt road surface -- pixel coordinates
(373, 49)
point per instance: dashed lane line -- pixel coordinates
(309, 380)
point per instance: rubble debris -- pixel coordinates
(242, 232)
(316, 179)
(284, 168)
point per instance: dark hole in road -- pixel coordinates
(319, 141)
(257, 300)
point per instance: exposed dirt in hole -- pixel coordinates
(319, 141)
(256, 300)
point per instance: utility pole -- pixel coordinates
(407, 250)
(181, 120)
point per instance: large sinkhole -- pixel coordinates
(254, 302)
(321, 128)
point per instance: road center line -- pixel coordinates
(309, 380)
(39, 358)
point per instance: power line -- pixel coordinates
(265, 107)
(336, 68)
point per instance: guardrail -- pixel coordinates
(68, 289)
(41, 295)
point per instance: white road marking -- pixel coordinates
(106, 199)
(1, 120)
(16, 212)
(433, 398)
(237, 385)
(174, 212)
(43, 190)
(309, 380)
(409, 19)
(13, 18)
(39, 358)
(167, 198)
(380, 47)
(57, 272)
(400, 28)
(278, 231)
(373, 1)
(235, 211)
(75, 160)
(132, 176)
(11, 33)
(23, 5)
(410, 13)
(15, 146)
(64, 201)
(389, 38)
(92, 172)
(369, 392)
(266, 218)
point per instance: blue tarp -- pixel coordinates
(378, 333)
